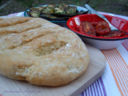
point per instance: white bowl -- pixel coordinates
(100, 42)
(103, 44)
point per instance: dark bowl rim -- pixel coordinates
(89, 36)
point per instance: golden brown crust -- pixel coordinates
(12, 21)
(40, 52)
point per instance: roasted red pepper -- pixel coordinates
(102, 28)
(99, 29)
(87, 28)
(115, 33)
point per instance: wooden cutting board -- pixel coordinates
(95, 69)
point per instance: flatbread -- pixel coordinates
(40, 52)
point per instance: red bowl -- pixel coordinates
(120, 23)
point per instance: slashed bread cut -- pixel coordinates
(40, 52)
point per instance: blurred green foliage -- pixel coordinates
(95, 3)
(113, 6)
(28, 3)
(0, 1)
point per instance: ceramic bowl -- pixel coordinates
(99, 41)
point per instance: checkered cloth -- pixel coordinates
(114, 81)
